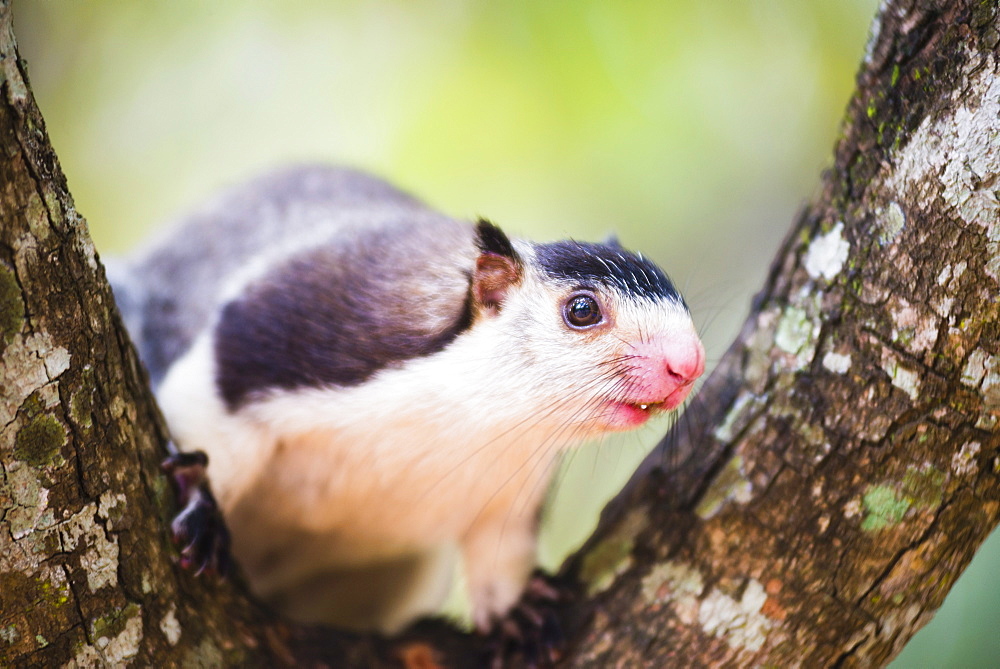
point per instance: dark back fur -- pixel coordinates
(180, 277)
(335, 315)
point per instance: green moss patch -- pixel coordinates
(11, 306)
(884, 507)
(40, 442)
(114, 623)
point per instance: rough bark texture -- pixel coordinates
(86, 569)
(837, 473)
(842, 467)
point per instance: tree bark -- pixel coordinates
(841, 468)
(814, 506)
(86, 569)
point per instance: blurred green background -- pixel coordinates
(693, 129)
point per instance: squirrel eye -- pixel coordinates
(582, 311)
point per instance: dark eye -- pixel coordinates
(581, 311)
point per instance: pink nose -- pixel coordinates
(685, 362)
(665, 367)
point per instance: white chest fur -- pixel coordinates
(440, 452)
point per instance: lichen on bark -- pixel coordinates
(862, 432)
(837, 472)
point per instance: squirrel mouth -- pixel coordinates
(626, 415)
(668, 403)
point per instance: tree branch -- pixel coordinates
(813, 507)
(841, 468)
(86, 565)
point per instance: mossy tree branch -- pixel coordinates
(835, 475)
(841, 467)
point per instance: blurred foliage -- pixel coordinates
(693, 129)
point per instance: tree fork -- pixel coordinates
(814, 505)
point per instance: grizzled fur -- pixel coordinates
(311, 323)
(171, 292)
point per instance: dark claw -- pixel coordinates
(198, 528)
(531, 631)
(553, 639)
(187, 471)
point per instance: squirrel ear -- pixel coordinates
(491, 239)
(498, 267)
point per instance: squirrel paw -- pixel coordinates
(531, 630)
(198, 529)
